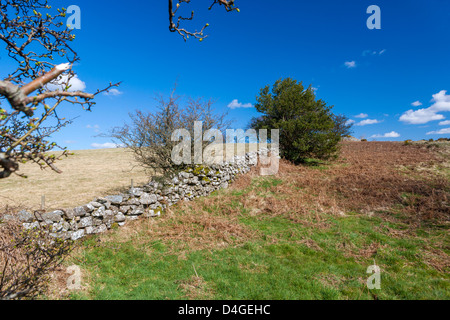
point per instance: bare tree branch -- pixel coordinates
(35, 35)
(176, 26)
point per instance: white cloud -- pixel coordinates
(113, 92)
(442, 131)
(373, 53)
(350, 64)
(106, 145)
(96, 127)
(441, 103)
(444, 123)
(391, 134)
(236, 104)
(349, 122)
(60, 84)
(367, 122)
(416, 104)
(70, 141)
(420, 116)
(362, 115)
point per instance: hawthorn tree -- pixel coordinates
(38, 46)
(150, 135)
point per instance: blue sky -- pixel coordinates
(392, 82)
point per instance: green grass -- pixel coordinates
(325, 259)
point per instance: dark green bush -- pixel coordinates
(308, 128)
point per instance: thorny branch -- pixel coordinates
(26, 259)
(34, 37)
(175, 23)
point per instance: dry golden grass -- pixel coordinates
(86, 174)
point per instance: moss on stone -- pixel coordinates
(199, 169)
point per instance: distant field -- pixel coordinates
(86, 174)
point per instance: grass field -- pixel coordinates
(86, 174)
(310, 232)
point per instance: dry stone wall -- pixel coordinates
(149, 200)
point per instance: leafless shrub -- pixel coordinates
(149, 136)
(26, 259)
